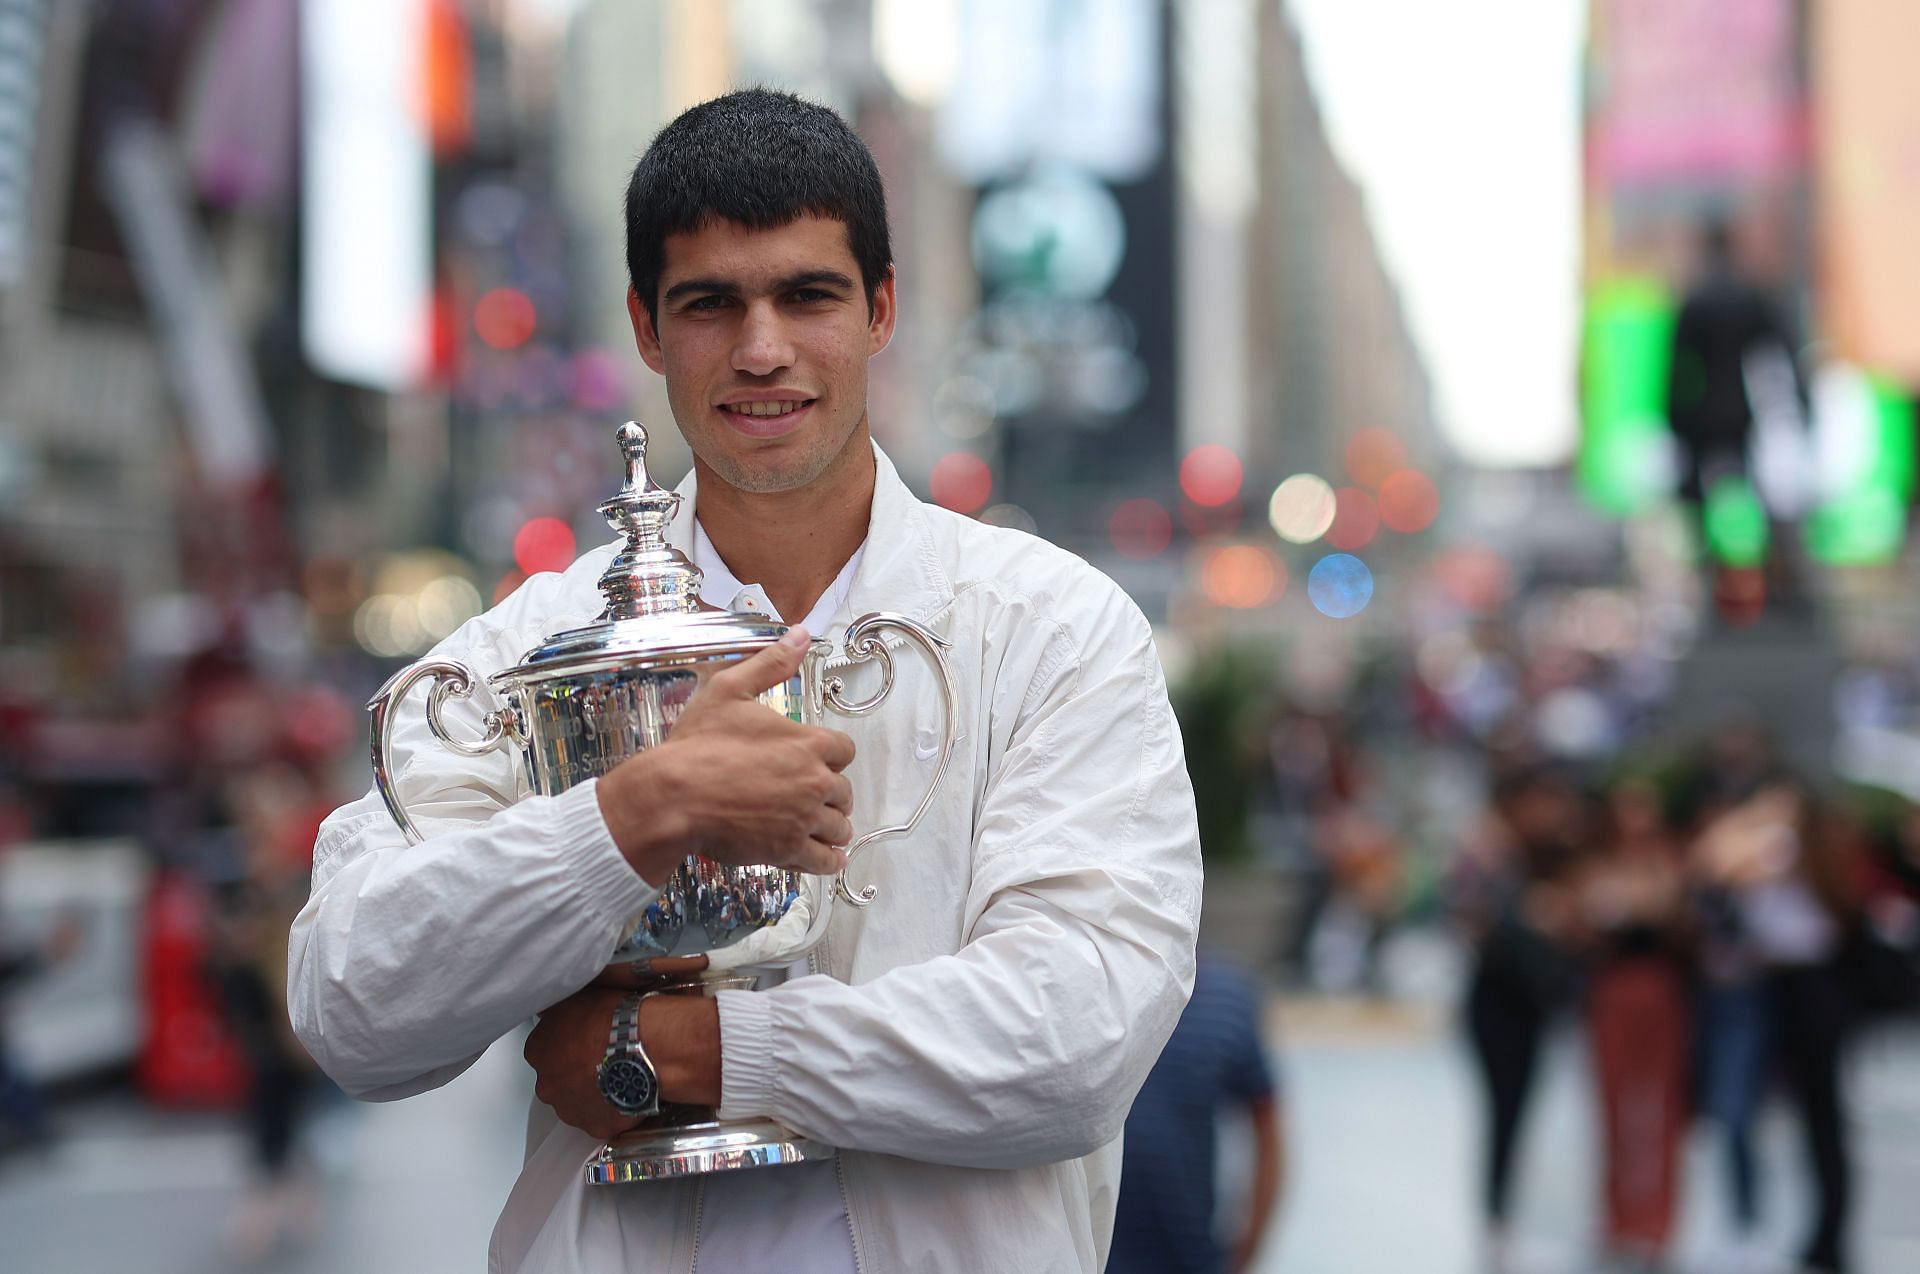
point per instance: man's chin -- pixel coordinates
(767, 478)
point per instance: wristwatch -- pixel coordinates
(627, 1078)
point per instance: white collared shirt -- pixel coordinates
(720, 587)
(797, 1211)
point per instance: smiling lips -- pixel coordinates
(767, 418)
(765, 409)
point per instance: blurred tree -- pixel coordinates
(1225, 705)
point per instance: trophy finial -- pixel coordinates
(648, 576)
(632, 438)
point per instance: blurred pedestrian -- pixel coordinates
(1734, 1028)
(279, 813)
(1513, 895)
(1638, 1025)
(25, 1119)
(1792, 875)
(1214, 1066)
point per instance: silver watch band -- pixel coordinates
(623, 1037)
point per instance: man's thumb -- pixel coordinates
(767, 668)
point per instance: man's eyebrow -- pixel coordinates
(792, 283)
(687, 287)
(812, 278)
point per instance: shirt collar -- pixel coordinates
(895, 570)
(721, 588)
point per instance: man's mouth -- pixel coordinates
(765, 410)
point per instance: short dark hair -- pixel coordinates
(763, 159)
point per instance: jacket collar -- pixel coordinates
(898, 572)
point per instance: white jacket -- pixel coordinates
(971, 1042)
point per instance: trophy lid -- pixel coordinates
(653, 611)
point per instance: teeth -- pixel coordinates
(766, 409)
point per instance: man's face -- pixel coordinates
(764, 337)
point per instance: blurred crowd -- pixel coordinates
(243, 773)
(1710, 922)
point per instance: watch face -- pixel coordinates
(628, 1084)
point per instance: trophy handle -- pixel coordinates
(863, 643)
(450, 677)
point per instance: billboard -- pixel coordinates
(1868, 174)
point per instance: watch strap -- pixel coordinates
(623, 1036)
(623, 1043)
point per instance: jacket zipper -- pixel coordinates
(846, 1201)
(839, 1162)
(699, 1210)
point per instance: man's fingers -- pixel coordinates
(841, 798)
(833, 748)
(763, 670)
(832, 827)
(817, 858)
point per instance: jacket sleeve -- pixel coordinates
(1028, 1044)
(409, 960)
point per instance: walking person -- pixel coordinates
(1214, 1067)
(1638, 1023)
(26, 1119)
(1793, 875)
(1513, 897)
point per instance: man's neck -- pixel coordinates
(791, 543)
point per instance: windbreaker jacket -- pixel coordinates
(971, 1042)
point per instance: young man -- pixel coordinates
(971, 1042)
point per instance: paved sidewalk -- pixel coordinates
(1383, 1114)
(408, 1186)
(1385, 1111)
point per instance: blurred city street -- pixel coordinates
(1385, 1106)
(1503, 417)
(1380, 1099)
(412, 1185)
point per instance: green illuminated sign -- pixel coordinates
(1625, 347)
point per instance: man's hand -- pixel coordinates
(565, 1051)
(736, 781)
(681, 1034)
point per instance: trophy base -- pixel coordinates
(663, 1153)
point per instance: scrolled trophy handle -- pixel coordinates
(450, 677)
(863, 643)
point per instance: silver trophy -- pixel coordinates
(586, 699)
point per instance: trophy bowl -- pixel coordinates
(588, 698)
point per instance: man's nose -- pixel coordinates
(763, 346)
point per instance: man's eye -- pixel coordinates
(706, 302)
(808, 296)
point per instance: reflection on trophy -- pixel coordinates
(586, 699)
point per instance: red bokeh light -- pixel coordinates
(961, 482)
(1474, 576)
(504, 318)
(1211, 475)
(1740, 596)
(1140, 529)
(1409, 501)
(1242, 576)
(1375, 454)
(1356, 520)
(504, 589)
(543, 544)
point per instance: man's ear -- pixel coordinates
(881, 316)
(646, 337)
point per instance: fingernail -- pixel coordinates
(797, 638)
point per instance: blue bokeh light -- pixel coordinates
(1340, 585)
